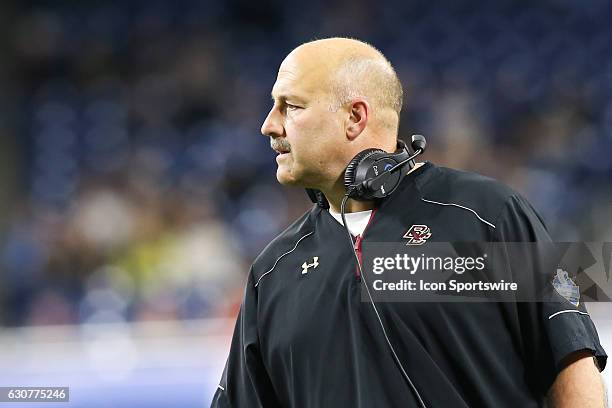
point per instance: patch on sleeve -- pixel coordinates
(565, 286)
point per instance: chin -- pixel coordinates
(286, 178)
(286, 181)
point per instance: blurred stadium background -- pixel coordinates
(136, 189)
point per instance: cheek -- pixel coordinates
(316, 138)
(314, 130)
(328, 138)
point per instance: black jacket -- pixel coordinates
(307, 339)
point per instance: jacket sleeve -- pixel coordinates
(245, 381)
(550, 327)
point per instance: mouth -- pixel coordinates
(281, 150)
(280, 146)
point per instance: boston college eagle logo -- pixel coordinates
(417, 234)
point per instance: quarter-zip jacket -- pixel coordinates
(308, 340)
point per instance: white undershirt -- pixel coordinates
(356, 221)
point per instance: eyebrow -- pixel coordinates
(286, 97)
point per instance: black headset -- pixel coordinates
(373, 173)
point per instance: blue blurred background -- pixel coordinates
(136, 188)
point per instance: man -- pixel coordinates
(304, 338)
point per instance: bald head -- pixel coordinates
(333, 98)
(347, 69)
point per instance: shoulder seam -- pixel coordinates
(279, 258)
(462, 207)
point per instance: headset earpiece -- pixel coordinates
(368, 165)
(358, 165)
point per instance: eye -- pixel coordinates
(290, 107)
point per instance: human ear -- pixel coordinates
(359, 112)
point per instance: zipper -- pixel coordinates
(358, 241)
(358, 251)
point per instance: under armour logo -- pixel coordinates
(306, 265)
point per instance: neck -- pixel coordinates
(335, 196)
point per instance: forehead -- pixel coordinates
(300, 78)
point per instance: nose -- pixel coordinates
(272, 125)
